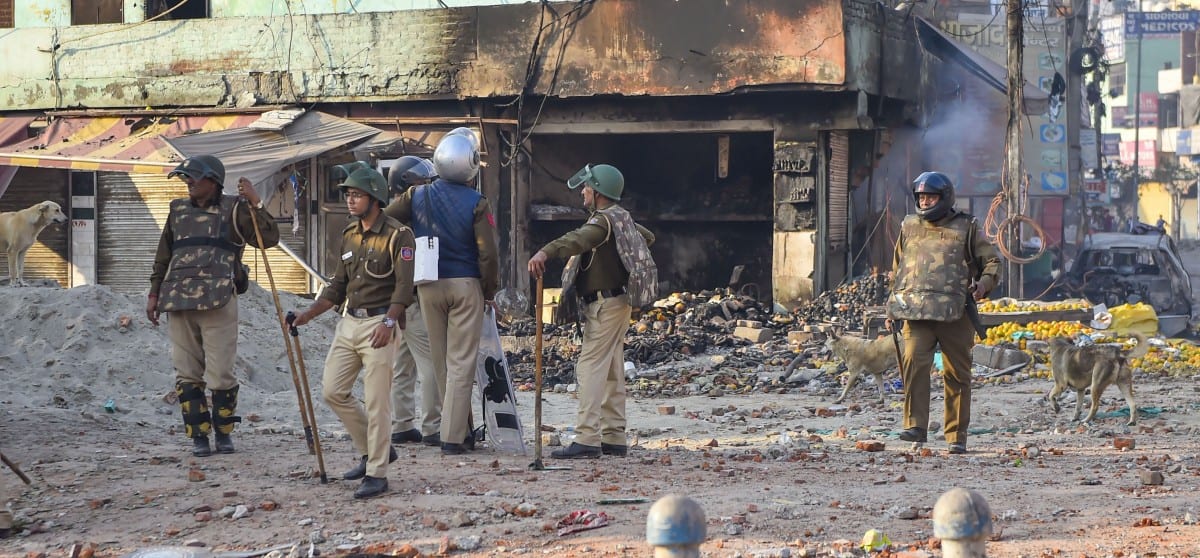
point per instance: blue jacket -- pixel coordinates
(447, 210)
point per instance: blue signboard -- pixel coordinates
(1185, 145)
(1160, 24)
(1110, 145)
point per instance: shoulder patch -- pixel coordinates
(406, 253)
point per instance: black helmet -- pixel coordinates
(200, 167)
(409, 171)
(934, 183)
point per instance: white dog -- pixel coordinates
(19, 230)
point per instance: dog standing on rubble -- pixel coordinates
(862, 356)
(19, 230)
(1095, 367)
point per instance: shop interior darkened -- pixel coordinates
(705, 223)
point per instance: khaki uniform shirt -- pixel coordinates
(241, 232)
(375, 266)
(485, 238)
(601, 268)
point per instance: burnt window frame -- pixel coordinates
(190, 9)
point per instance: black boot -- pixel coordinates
(618, 450)
(359, 471)
(200, 447)
(411, 435)
(914, 434)
(370, 488)
(224, 443)
(197, 422)
(224, 417)
(576, 451)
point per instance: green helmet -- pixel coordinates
(368, 180)
(606, 180)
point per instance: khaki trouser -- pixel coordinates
(600, 373)
(413, 361)
(204, 345)
(956, 339)
(453, 310)
(6, 517)
(370, 430)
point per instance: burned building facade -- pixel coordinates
(741, 126)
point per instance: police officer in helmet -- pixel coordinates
(374, 279)
(941, 265)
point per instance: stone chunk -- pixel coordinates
(754, 335)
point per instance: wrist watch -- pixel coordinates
(388, 322)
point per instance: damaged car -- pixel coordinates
(1120, 268)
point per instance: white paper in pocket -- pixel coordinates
(425, 260)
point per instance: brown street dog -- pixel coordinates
(19, 230)
(1096, 367)
(862, 356)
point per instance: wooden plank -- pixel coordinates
(997, 318)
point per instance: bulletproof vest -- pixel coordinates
(642, 280)
(934, 274)
(642, 284)
(447, 210)
(201, 273)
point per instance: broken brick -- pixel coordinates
(1123, 443)
(869, 445)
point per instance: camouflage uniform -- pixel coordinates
(934, 265)
(599, 277)
(375, 271)
(193, 276)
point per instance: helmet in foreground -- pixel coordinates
(368, 180)
(606, 180)
(934, 183)
(456, 159)
(408, 171)
(200, 167)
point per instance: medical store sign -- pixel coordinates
(1160, 24)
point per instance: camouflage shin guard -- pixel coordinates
(224, 406)
(196, 420)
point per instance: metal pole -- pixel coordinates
(1137, 116)
(1076, 25)
(1014, 173)
(537, 464)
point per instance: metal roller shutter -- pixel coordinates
(839, 189)
(289, 275)
(48, 258)
(132, 211)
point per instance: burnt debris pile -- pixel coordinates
(715, 334)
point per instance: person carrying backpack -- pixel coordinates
(611, 271)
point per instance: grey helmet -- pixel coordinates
(408, 171)
(201, 167)
(466, 132)
(456, 159)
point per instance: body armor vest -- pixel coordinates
(203, 257)
(642, 280)
(447, 210)
(934, 275)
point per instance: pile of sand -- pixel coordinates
(67, 350)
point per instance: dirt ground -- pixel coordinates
(777, 474)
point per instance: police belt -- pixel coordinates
(603, 293)
(367, 312)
